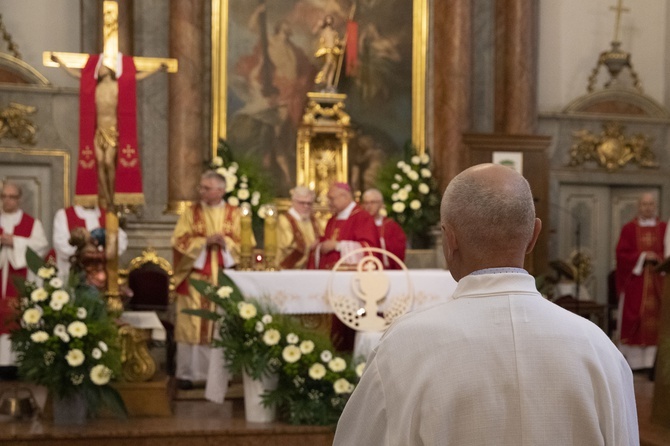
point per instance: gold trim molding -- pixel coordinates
(48, 153)
(420, 29)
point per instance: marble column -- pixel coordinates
(516, 66)
(452, 76)
(185, 103)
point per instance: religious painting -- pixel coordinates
(268, 64)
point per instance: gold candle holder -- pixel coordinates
(270, 237)
(245, 236)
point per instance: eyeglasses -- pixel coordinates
(207, 188)
(10, 196)
(304, 203)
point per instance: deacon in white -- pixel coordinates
(18, 232)
(496, 364)
(73, 217)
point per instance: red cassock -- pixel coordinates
(359, 227)
(393, 239)
(642, 293)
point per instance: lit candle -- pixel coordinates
(270, 231)
(245, 231)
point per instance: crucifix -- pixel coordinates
(619, 10)
(108, 169)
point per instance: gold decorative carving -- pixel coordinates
(137, 363)
(612, 149)
(14, 123)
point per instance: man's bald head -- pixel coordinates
(646, 206)
(491, 212)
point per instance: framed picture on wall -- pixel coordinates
(513, 160)
(264, 63)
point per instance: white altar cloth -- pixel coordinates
(306, 292)
(146, 320)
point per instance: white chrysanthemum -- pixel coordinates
(267, 319)
(231, 181)
(244, 186)
(342, 386)
(233, 201)
(259, 326)
(416, 160)
(75, 357)
(413, 175)
(398, 207)
(359, 369)
(317, 371)
(291, 354)
(406, 169)
(81, 313)
(39, 295)
(224, 292)
(326, 356)
(395, 186)
(425, 159)
(46, 273)
(262, 212)
(408, 187)
(383, 212)
(292, 338)
(243, 194)
(234, 166)
(39, 336)
(271, 337)
(56, 305)
(425, 173)
(397, 177)
(96, 353)
(337, 364)
(77, 329)
(423, 188)
(306, 347)
(56, 282)
(103, 346)
(60, 330)
(60, 296)
(32, 316)
(394, 197)
(100, 375)
(403, 194)
(401, 164)
(247, 311)
(222, 171)
(217, 161)
(415, 205)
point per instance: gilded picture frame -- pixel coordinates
(228, 24)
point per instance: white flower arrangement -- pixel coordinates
(62, 340)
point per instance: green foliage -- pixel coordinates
(66, 341)
(411, 192)
(314, 385)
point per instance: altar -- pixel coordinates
(306, 292)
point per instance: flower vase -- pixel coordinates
(254, 410)
(71, 410)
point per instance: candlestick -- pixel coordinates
(270, 236)
(245, 236)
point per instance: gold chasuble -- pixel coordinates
(192, 260)
(294, 240)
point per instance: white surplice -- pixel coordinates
(499, 365)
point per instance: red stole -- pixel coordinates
(73, 220)
(23, 229)
(128, 179)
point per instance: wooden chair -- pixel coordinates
(150, 278)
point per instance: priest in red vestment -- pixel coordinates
(18, 232)
(349, 228)
(391, 236)
(639, 288)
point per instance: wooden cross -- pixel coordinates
(619, 10)
(110, 32)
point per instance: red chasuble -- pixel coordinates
(359, 227)
(393, 239)
(7, 301)
(642, 301)
(128, 179)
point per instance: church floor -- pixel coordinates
(197, 422)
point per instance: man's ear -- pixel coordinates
(449, 242)
(536, 234)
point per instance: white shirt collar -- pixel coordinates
(647, 222)
(346, 212)
(379, 219)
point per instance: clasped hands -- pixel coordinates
(328, 246)
(7, 240)
(216, 240)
